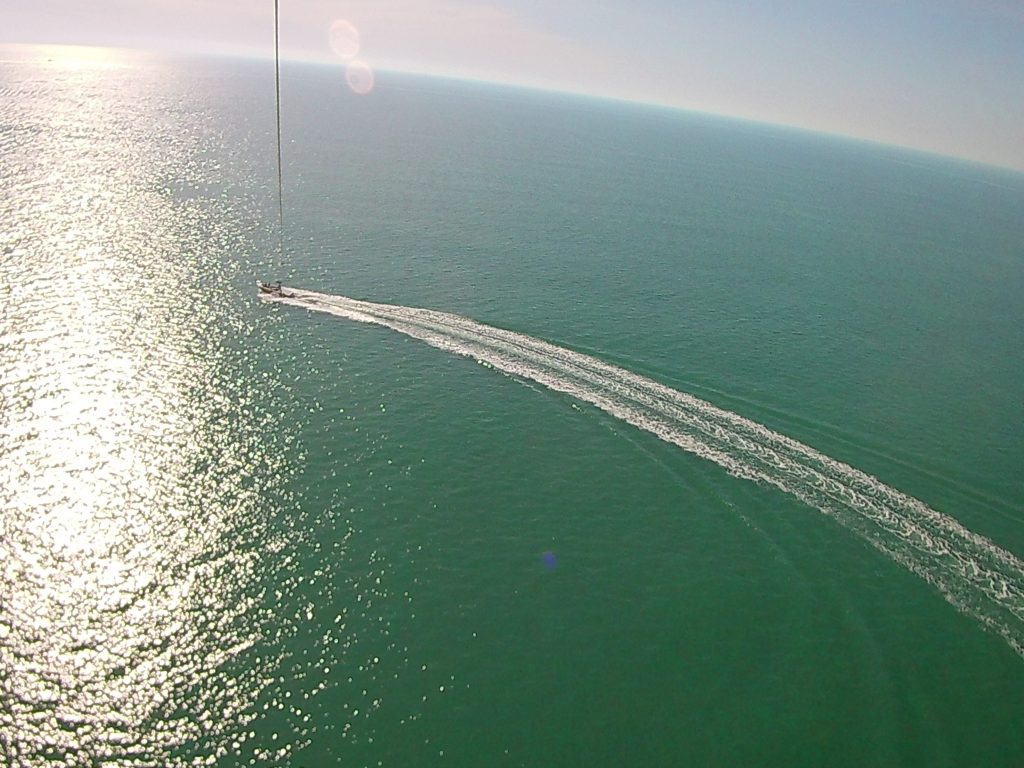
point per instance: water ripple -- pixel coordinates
(137, 481)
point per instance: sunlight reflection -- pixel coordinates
(125, 466)
(82, 57)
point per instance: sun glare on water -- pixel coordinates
(126, 465)
(83, 57)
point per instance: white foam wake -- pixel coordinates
(972, 573)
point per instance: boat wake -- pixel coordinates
(973, 574)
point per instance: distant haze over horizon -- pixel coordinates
(943, 76)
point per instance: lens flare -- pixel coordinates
(359, 77)
(344, 39)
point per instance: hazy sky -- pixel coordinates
(941, 75)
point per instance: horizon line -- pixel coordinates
(254, 56)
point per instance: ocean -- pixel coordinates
(590, 433)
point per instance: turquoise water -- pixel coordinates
(270, 535)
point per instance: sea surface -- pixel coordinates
(592, 433)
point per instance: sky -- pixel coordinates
(944, 76)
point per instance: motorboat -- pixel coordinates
(272, 289)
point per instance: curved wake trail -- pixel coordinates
(973, 574)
